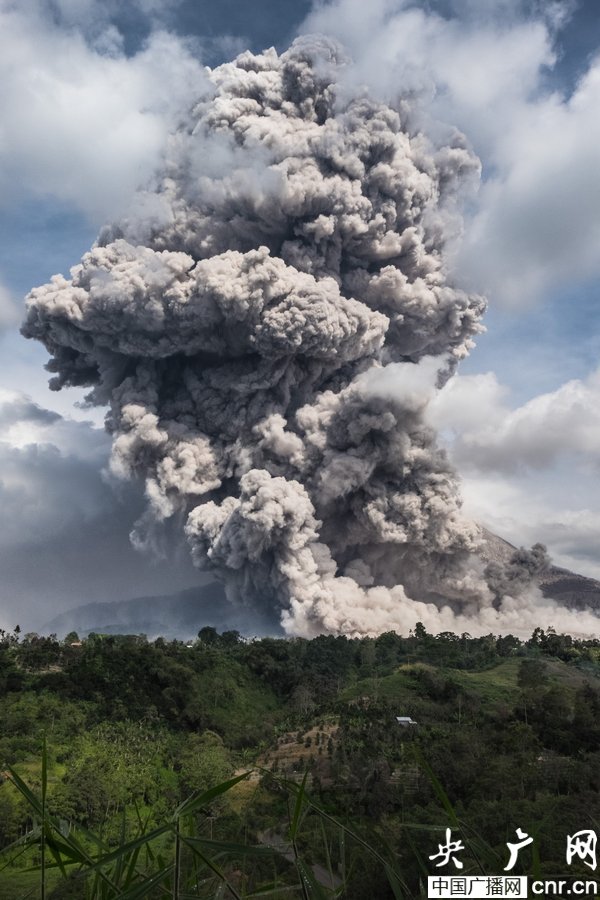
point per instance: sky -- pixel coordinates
(91, 90)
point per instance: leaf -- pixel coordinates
(124, 849)
(228, 847)
(394, 881)
(291, 786)
(69, 849)
(312, 887)
(273, 889)
(211, 864)
(196, 801)
(437, 787)
(327, 853)
(25, 791)
(44, 771)
(146, 887)
(297, 814)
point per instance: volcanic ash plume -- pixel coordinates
(235, 324)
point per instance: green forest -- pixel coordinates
(223, 767)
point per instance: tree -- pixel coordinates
(586, 721)
(531, 678)
(303, 699)
(420, 631)
(507, 645)
(230, 638)
(204, 762)
(208, 635)
(532, 674)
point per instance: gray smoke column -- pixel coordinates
(291, 249)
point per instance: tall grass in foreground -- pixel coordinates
(175, 861)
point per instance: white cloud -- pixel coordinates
(489, 436)
(524, 512)
(83, 125)
(530, 472)
(536, 224)
(471, 72)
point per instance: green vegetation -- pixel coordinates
(225, 768)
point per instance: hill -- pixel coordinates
(507, 736)
(565, 587)
(180, 615)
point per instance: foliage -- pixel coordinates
(132, 729)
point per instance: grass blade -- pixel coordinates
(298, 806)
(196, 801)
(311, 887)
(44, 829)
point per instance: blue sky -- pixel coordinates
(90, 93)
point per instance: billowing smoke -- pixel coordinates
(518, 573)
(237, 324)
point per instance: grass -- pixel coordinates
(189, 864)
(15, 884)
(494, 688)
(399, 685)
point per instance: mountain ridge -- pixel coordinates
(568, 588)
(179, 615)
(182, 614)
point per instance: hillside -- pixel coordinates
(568, 588)
(509, 730)
(180, 615)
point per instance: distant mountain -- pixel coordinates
(179, 615)
(567, 588)
(183, 614)
(571, 590)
